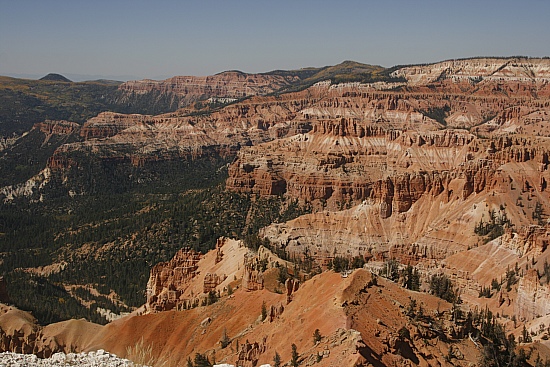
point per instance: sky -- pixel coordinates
(158, 39)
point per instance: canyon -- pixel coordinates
(442, 167)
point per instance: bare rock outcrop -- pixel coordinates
(50, 127)
(228, 85)
(253, 279)
(248, 353)
(108, 124)
(477, 70)
(533, 298)
(275, 311)
(390, 168)
(211, 281)
(168, 280)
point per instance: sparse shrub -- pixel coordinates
(485, 292)
(411, 278)
(224, 341)
(511, 278)
(525, 337)
(411, 308)
(212, 297)
(276, 360)
(538, 213)
(404, 333)
(498, 349)
(283, 275)
(316, 336)
(442, 287)
(141, 354)
(390, 270)
(340, 264)
(294, 357)
(494, 227)
(202, 360)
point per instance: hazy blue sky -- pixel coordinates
(157, 39)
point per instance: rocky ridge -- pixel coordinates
(190, 89)
(328, 302)
(478, 69)
(98, 358)
(354, 116)
(175, 284)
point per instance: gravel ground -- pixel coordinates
(99, 358)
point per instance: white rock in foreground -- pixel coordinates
(99, 358)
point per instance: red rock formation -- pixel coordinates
(533, 298)
(211, 281)
(168, 280)
(108, 124)
(291, 286)
(249, 353)
(227, 85)
(253, 279)
(50, 127)
(275, 311)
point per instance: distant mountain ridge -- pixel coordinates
(24, 102)
(56, 78)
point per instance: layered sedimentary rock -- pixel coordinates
(252, 278)
(344, 127)
(411, 189)
(133, 140)
(249, 353)
(479, 69)
(20, 333)
(211, 281)
(50, 127)
(108, 124)
(341, 169)
(229, 85)
(186, 280)
(168, 280)
(533, 298)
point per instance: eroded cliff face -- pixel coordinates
(339, 128)
(189, 277)
(479, 69)
(226, 86)
(389, 180)
(401, 170)
(169, 280)
(382, 145)
(137, 139)
(533, 298)
(20, 333)
(392, 167)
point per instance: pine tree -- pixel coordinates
(224, 341)
(277, 360)
(264, 311)
(202, 361)
(294, 358)
(316, 336)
